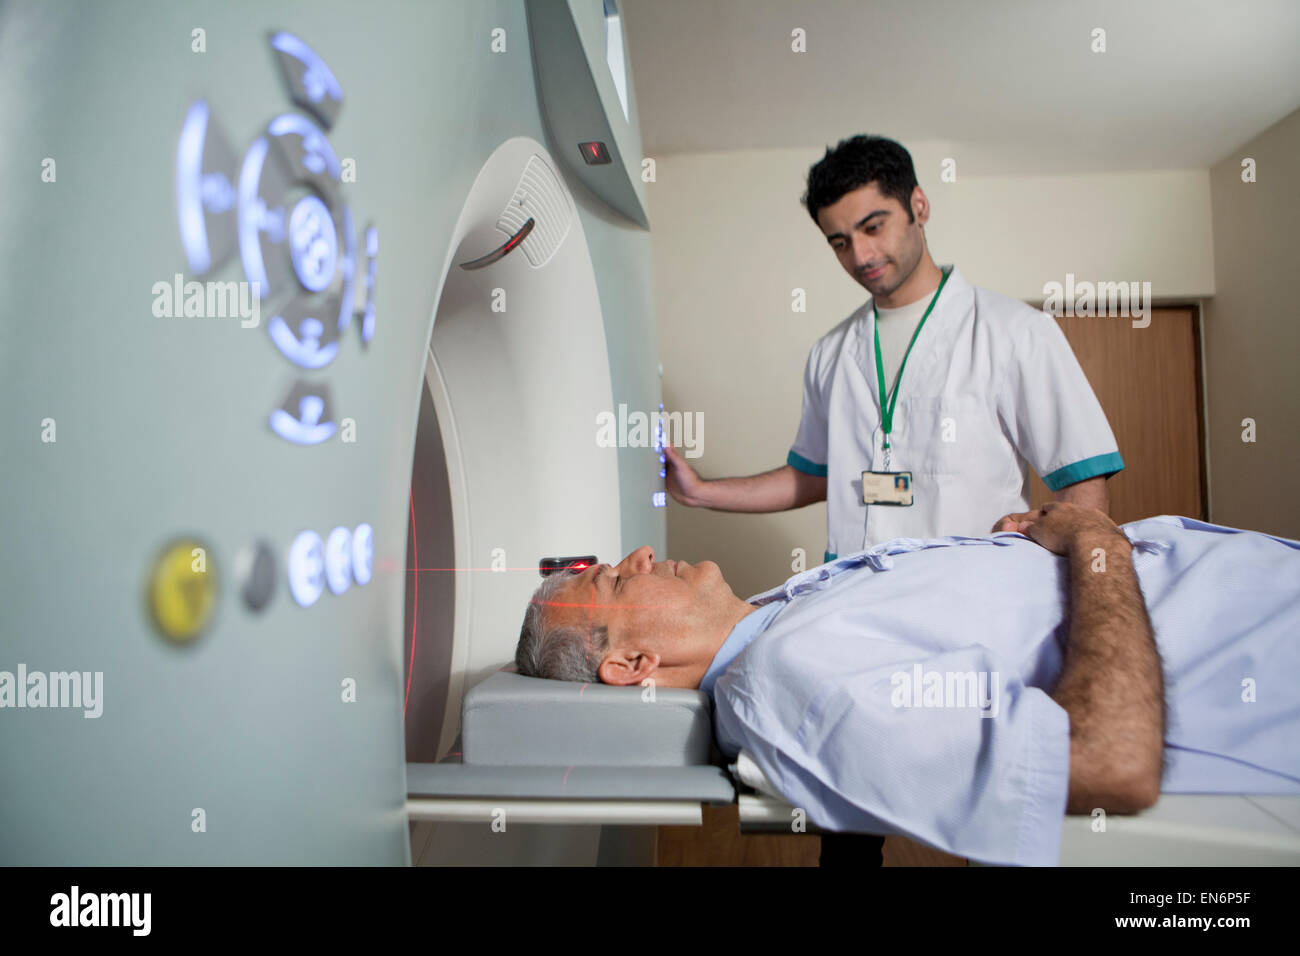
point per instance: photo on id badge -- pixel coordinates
(887, 488)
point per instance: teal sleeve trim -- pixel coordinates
(827, 557)
(1106, 464)
(804, 465)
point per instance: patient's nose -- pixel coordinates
(640, 561)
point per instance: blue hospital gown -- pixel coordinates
(813, 689)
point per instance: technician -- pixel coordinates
(924, 408)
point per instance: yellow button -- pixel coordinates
(183, 590)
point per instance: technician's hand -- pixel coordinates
(683, 483)
(1061, 525)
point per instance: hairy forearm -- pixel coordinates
(1111, 683)
(1091, 493)
(777, 490)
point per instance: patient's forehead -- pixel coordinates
(573, 599)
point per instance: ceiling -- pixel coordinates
(1009, 86)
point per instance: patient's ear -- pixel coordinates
(632, 669)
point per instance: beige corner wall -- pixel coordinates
(731, 241)
(1252, 336)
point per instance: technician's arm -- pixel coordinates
(1111, 683)
(1091, 493)
(777, 490)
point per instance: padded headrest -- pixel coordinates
(515, 721)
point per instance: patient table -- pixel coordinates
(543, 751)
(560, 752)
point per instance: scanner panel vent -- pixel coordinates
(540, 197)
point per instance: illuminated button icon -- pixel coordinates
(305, 331)
(372, 268)
(363, 553)
(263, 221)
(206, 170)
(307, 568)
(307, 155)
(322, 236)
(313, 243)
(314, 346)
(660, 441)
(182, 590)
(660, 499)
(341, 300)
(305, 417)
(311, 82)
(338, 560)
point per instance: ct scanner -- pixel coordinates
(289, 540)
(287, 532)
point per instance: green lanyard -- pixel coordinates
(887, 404)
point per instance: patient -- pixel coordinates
(967, 691)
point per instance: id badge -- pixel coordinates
(887, 488)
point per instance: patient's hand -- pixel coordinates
(1060, 525)
(1017, 522)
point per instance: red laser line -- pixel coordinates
(586, 604)
(532, 568)
(591, 613)
(415, 611)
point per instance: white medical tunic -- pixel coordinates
(831, 692)
(990, 386)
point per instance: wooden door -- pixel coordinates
(1148, 383)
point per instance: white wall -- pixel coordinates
(731, 240)
(1252, 337)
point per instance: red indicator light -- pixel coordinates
(594, 153)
